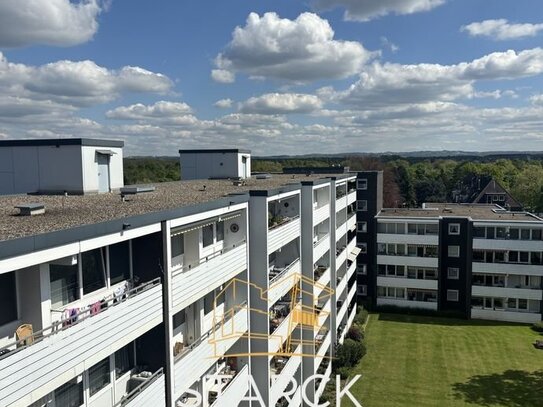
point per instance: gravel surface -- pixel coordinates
(71, 211)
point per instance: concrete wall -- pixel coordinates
(212, 165)
(90, 168)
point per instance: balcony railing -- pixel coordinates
(137, 394)
(208, 258)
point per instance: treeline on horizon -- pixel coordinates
(407, 181)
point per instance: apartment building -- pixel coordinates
(199, 292)
(479, 260)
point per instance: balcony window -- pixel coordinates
(8, 298)
(514, 233)
(524, 234)
(535, 257)
(432, 229)
(501, 233)
(178, 249)
(453, 273)
(400, 292)
(479, 232)
(454, 228)
(522, 303)
(99, 376)
(207, 235)
(93, 270)
(499, 257)
(119, 262)
(536, 234)
(512, 303)
(513, 257)
(124, 360)
(64, 285)
(498, 303)
(220, 231)
(524, 257)
(453, 251)
(452, 295)
(363, 248)
(70, 394)
(412, 228)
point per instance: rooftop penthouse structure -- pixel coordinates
(190, 287)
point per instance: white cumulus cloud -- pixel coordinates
(281, 103)
(48, 22)
(224, 103)
(501, 29)
(365, 10)
(300, 50)
(158, 110)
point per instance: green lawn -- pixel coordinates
(439, 362)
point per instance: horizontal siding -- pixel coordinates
(282, 285)
(321, 248)
(321, 214)
(284, 234)
(153, 395)
(283, 379)
(235, 391)
(407, 283)
(505, 292)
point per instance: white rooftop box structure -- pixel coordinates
(219, 163)
(52, 166)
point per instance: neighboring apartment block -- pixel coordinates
(478, 260)
(188, 289)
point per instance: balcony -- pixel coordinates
(322, 343)
(282, 380)
(507, 292)
(342, 311)
(341, 203)
(351, 270)
(341, 230)
(404, 303)
(60, 353)
(403, 282)
(280, 328)
(282, 282)
(351, 221)
(351, 197)
(352, 293)
(508, 268)
(431, 240)
(321, 214)
(341, 257)
(321, 247)
(429, 262)
(322, 279)
(151, 392)
(507, 244)
(508, 316)
(322, 385)
(282, 234)
(234, 392)
(193, 281)
(195, 360)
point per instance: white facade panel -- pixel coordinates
(351, 197)
(213, 164)
(152, 395)
(407, 304)
(281, 381)
(504, 268)
(407, 283)
(407, 239)
(321, 214)
(235, 391)
(502, 315)
(504, 292)
(502, 244)
(409, 261)
(284, 234)
(321, 248)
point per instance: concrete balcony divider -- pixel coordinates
(321, 214)
(190, 284)
(32, 372)
(235, 391)
(506, 292)
(283, 282)
(150, 393)
(198, 359)
(283, 379)
(280, 235)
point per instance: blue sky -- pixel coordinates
(277, 77)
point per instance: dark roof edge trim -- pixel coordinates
(215, 150)
(62, 142)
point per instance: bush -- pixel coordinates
(361, 317)
(349, 354)
(538, 327)
(344, 372)
(355, 333)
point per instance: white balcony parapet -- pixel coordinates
(31, 372)
(320, 248)
(351, 270)
(199, 357)
(321, 214)
(340, 288)
(235, 390)
(350, 320)
(351, 222)
(503, 315)
(342, 311)
(324, 348)
(152, 392)
(285, 233)
(324, 382)
(507, 268)
(322, 282)
(408, 261)
(351, 197)
(296, 400)
(341, 257)
(507, 244)
(341, 203)
(281, 333)
(352, 293)
(281, 381)
(283, 282)
(404, 282)
(407, 304)
(193, 282)
(506, 292)
(341, 230)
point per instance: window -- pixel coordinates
(93, 267)
(412, 228)
(64, 287)
(501, 233)
(207, 235)
(362, 184)
(381, 291)
(400, 293)
(178, 249)
(453, 273)
(522, 303)
(513, 257)
(524, 256)
(524, 234)
(479, 232)
(514, 233)
(70, 394)
(362, 289)
(208, 302)
(454, 228)
(8, 299)
(179, 319)
(119, 262)
(220, 230)
(362, 269)
(454, 251)
(124, 360)
(363, 248)
(363, 227)
(432, 229)
(536, 234)
(99, 376)
(452, 295)
(362, 205)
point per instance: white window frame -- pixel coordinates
(451, 254)
(362, 184)
(363, 268)
(362, 227)
(452, 226)
(456, 276)
(362, 289)
(453, 295)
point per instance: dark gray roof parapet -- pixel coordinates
(215, 150)
(62, 142)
